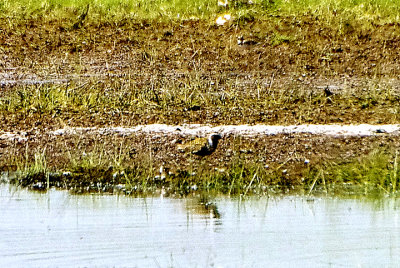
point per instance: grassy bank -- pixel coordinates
(142, 165)
(191, 99)
(376, 174)
(329, 11)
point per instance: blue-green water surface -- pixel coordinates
(56, 229)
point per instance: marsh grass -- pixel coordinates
(102, 171)
(344, 14)
(375, 172)
(33, 174)
(189, 99)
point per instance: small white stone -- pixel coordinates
(222, 3)
(221, 20)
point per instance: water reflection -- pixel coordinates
(57, 229)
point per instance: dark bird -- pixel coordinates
(246, 43)
(328, 92)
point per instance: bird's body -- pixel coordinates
(201, 146)
(245, 43)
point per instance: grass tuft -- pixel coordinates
(376, 172)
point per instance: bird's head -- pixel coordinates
(240, 40)
(213, 139)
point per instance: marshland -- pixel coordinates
(104, 64)
(106, 112)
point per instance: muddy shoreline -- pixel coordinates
(148, 162)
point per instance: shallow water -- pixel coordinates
(58, 229)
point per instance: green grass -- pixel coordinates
(32, 172)
(111, 9)
(101, 170)
(188, 99)
(241, 178)
(345, 11)
(374, 173)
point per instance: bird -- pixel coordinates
(328, 92)
(201, 146)
(243, 42)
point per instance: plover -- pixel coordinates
(243, 42)
(201, 146)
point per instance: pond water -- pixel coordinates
(56, 229)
